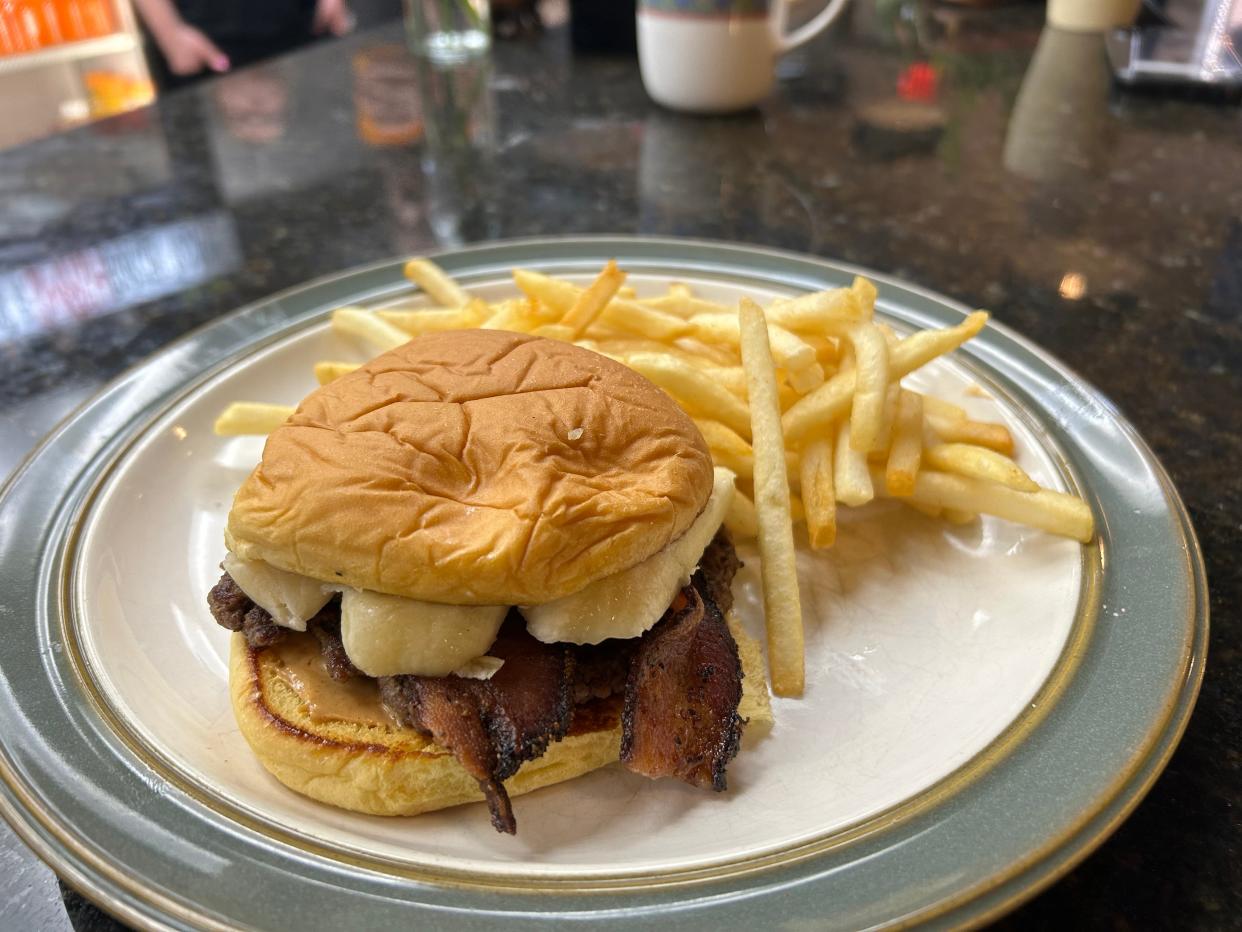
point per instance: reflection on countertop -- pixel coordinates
(974, 154)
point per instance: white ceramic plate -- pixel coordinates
(938, 657)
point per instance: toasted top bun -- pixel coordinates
(474, 467)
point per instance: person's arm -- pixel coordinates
(186, 49)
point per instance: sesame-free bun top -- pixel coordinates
(474, 467)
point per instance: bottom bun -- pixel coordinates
(393, 771)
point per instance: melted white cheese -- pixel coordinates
(480, 668)
(626, 604)
(290, 599)
(386, 635)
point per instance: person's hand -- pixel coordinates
(332, 16)
(188, 51)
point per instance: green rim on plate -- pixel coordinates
(159, 855)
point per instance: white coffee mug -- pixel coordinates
(1092, 15)
(713, 56)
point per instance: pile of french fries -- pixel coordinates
(802, 400)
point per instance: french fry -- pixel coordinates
(634, 318)
(561, 332)
(980, 433)
(735, 454)
(827, 349)
(797, 512)
(728, 449)
(823, 405)
(788, 396)
(627, 291)
(942, 410)
(684, 305)
(601, 331)
(626, 316)
(600, 348)
(832, 399)
(891, 398)
(556, 294)
(741, 519)
(920, 348)
(521, 315)
(969, 460)
(789, 350)
(807, 379)
(431, 320)
(957, 516)
(720, 355)
(870, 387)
(680, 290)
(622, 346)
(250, 417)
(865, 294)
(1054, 512)
(591, 302)
(782, 603)
(815, 313)
(818, 493)
(435, 282)
(729, 375)
(327, 370)
(379, 333)
(693, 389)
(849, 467)
(906, 453)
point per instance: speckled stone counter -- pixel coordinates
(1108, 228)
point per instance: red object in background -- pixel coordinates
(920, 81)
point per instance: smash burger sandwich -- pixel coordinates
(480, 564)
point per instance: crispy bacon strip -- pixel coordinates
(493, 726)
(680, 717)
(681, 684)
(716, 571)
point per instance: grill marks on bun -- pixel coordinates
(475, 467)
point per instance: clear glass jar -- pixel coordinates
(448, 31)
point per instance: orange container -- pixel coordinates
(32, 25)
(49, 19)
(98, 17)
(13, 29)
(72, 24)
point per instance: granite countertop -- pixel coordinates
(1106, 227)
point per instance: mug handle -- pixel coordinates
(788, 41)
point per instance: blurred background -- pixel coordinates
(65, 63)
